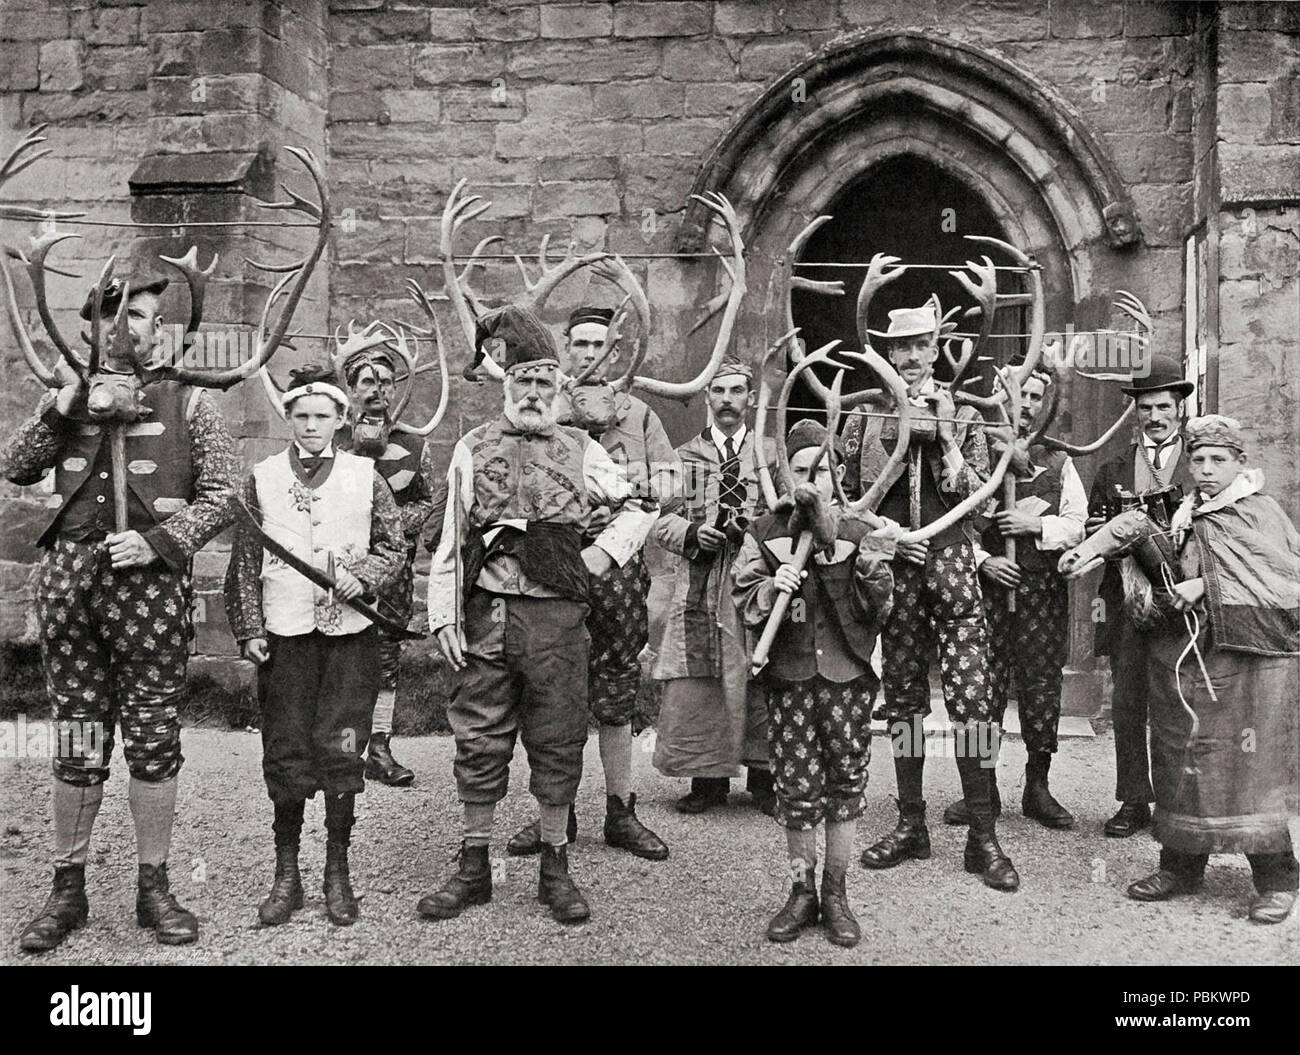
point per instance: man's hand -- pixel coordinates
(130, 550)
(710, 538)
(1001, 571)
(598, 519)
(1188, 594)
(1094, 524)
(347, 586)
(70, 388)
(944, 409)
(598, 562)
(914, 552)
(256, 649)
(451, 643)
(787, 580)
(1014, 522)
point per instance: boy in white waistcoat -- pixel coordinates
(318, 657)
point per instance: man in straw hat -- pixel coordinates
(1154, 463)
(1223, 758)
(712, 718)
(937, 602)
(618, 622)
(509, 589)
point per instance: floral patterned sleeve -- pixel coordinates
(243, 590)
(387, 542)
(34, 448)
(216, 472)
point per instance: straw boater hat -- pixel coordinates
(908, 322)
(1165, 373)
(1214, 430)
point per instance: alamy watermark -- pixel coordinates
(40, 738)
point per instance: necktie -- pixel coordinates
(732, 494)
(1157, 457)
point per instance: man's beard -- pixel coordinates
(535, 417)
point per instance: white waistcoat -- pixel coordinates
(334, 518)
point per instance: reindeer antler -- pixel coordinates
(295, 280)
(196, 279)
(15, 163)
(457, 212)
(537, 293)
(434, 332)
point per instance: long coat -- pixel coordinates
(691, 643)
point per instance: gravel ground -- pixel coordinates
(709, 903)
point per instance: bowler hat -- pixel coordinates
(1165, 374)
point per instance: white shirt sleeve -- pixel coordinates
(1065, 529)
(443, 600)
(981, 554)
(608, 484)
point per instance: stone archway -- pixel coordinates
(1000, 133)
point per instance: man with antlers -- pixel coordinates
(618, 621)
(112, 598)
(937, 598)
(1031, 638)
(508, 597)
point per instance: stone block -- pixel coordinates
(1248, 56)
(563, 102)
(572, 21)
(1151, 157)
(436, 64)
(1086, 18)
(117, 68)
(35, 25)
(766, 60)
(387, 27)
(663, 19)
(557, 201)
(533, 139)
(1156, 19)
(60, 63)
(1284, 97)
(882, 15)
(560, 61)
(699, 60)
(992, 21)
(415, 105)
(372, 67)
(1245, 113)
(645, 99)
(505, 23)
(1257, 173)
(693, 136)
(71, 107)
(411, 141)
(109, 25)
(1164, 211)
(1281, 18)
(449, 24)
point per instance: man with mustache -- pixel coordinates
(937, 602)
(1032, 642)
(1154, 462)
(514, 544)
(114, 607)
(618, 621)
(400, 458)
(712, 718)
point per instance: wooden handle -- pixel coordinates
(1009, 544)
(759, 660)
(117, 449)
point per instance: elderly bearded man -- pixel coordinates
(401, 459)
(114, 606)
(521, 489)
(618, 621)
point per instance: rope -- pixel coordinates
(1193, 624)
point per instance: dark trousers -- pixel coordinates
(1030, 644)
(1278, 871)
(525, 677)
(936, 605)
(1128, 707)
(396, 601)
(619, 627)
(114, 647)
(317, 693)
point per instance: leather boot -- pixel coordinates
(157, 907)
(471, 885)
(383, 767)
(556, 889)
(837, 918)
(984, 857)
(1272, 906)
(911, 839)
(705, 793)
(958, 814)
(65, 910)
(1037, 802)
(800, 911)
(340, 903)
(624, 831)
(758, 782)
(528, 839)
(286, 889)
